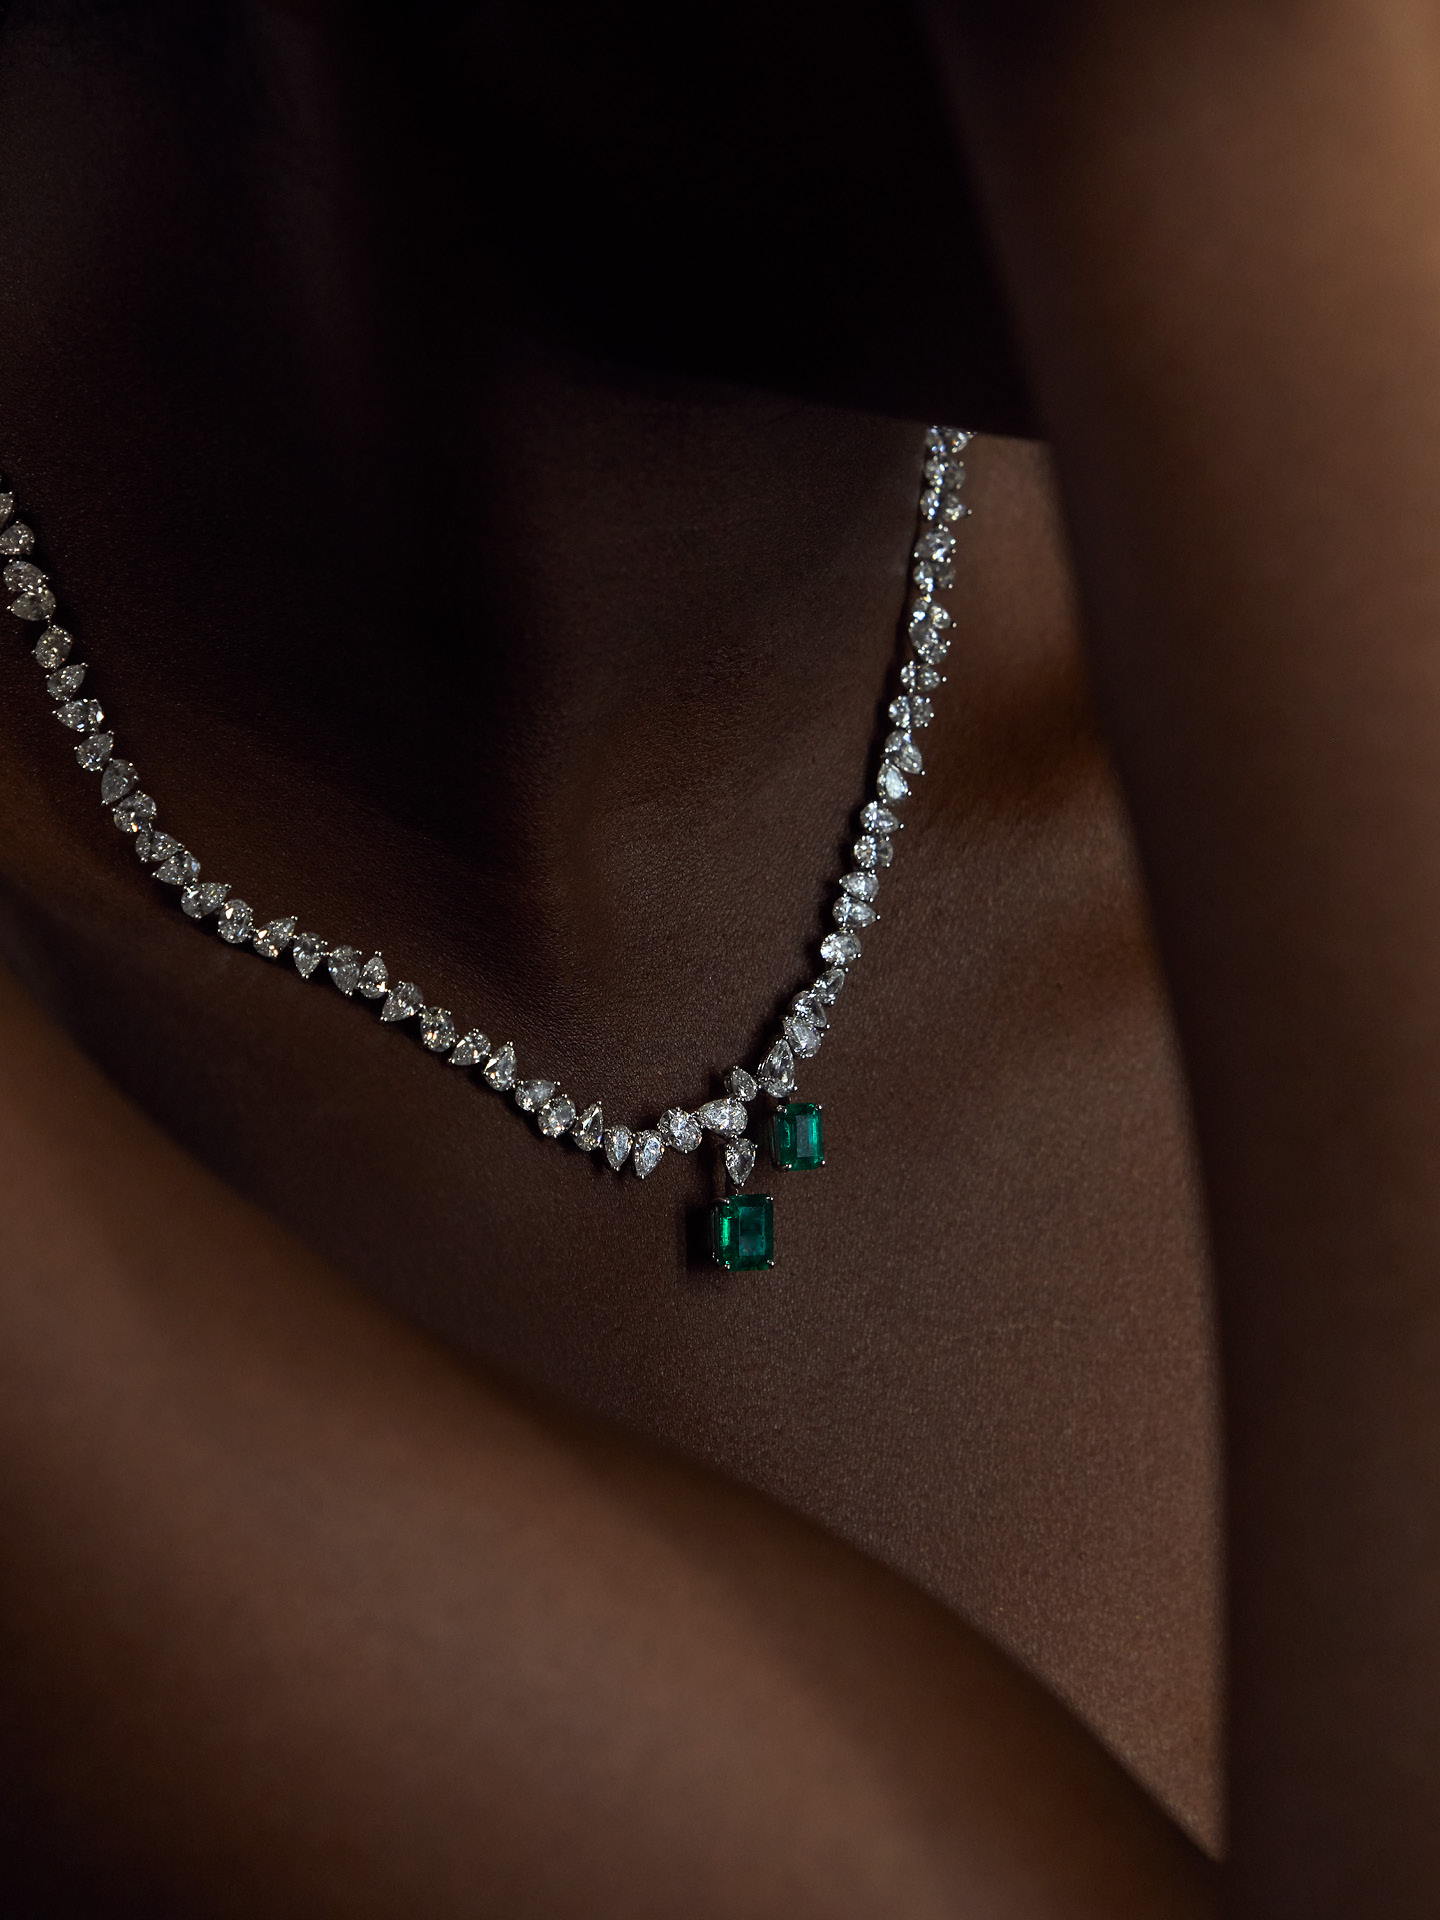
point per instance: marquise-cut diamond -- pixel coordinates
(840, 949)
(17, 539)
(803, 1035)
(52, 647)
(119, 779)
(473, 1051)
(531, 1095)
(740, 1160)
(68, 680)
(500, 1068)
(403, 1001)
(437, 1029)
(590, 1130)
(182, 869)
(372, 979)
(236, 922)
(82, 716)
(557, 1116)
(723, 1116)
(877, 819)
(344, 965)
(853, 913)
(617, 1146)
(307, 950)
(680, 1130)
(199, 902)
(649, 1151)
(777, 1069)
(92, 753)
(275, 936)
(741, 1085)
(133, 812)
(892, 784)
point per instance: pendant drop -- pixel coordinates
(742, 1232)
(797, 1136)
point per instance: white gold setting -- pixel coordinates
(804, 1026)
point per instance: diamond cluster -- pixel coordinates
(557, 1115)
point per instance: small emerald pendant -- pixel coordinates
(742, 1232)
(797, 1137)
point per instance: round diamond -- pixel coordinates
(236, 922)
(680, 1130)
(557, 1116)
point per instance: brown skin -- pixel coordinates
(580, 748)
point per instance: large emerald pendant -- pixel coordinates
(742, 1231)
(797, 1138)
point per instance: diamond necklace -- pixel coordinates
(742, 1228)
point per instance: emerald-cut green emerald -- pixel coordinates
(797, 1138)
(742, 1232)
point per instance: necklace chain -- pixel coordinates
(803, 1027)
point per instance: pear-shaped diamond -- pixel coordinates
(17, 539)
(403, 1002)
(94, 751)
(741, 1085)
(275, 936)
(22, 577)
(38, 605)
(740, 1160)
(81, 716)
(852, 913)
(531, 1095)
(777, 1070)
(52, 647)
(877, 819)
(182, 869)
(557, 1116)
(141, 843)
(812, 1006)
(930, 645)
(617, 1146)
(236, 922)
(892, 784)
(679, 1129)
(590, 1130)
(68, 680)
(803, 1035)
(500, 1068)
(860, 886)
(307, 950)
(649, 1152)
(473, 1051)
(119, 779)
(829, 984)
(134, 812)
(840, 949)
(904, 752)
(372, 980)
(722, 1116)
(344, 965)
(199, 902)
(7, 507)
(160, 847)
(437, 1029)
